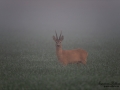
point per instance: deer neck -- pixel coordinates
(59, 52)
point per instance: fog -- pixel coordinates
(87, 18)
(28, 59)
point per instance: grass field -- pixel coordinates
(28, 63)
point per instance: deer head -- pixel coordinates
(58, 40)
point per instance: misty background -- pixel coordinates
(40, 18)
(27, 51)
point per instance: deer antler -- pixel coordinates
(56, 35)
(60, 35)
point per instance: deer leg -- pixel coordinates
(84, 62)
(78, 62)
(64, 63)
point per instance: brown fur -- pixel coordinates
(69, 56)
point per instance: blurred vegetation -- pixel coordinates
(29, 62)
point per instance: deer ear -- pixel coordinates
(54, 38)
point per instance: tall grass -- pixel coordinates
(31, 64)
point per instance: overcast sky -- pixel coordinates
(68, 15)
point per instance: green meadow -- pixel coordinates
(28, 62)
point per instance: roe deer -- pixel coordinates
(69, 56)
